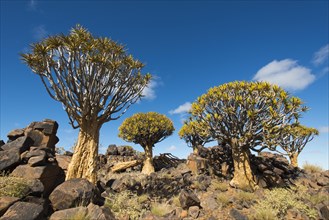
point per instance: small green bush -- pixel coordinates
(126, 203)
(13, 186)
(279, 200)
(264, 214)
(160, 209)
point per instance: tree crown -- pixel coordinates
(93, 77)
(193, 133)
(146, 129)
(246, 111)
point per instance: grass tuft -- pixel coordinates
(312, 168)
(13, 186)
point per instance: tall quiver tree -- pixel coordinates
(293, 139)
(244, 115)
(146, 129)
(194, 134)
(95, 80)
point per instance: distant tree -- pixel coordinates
(194, 134)
(293, 139)
(146, 129)
(95, 80)
(244, 115)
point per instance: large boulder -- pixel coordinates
(9, 159)
(50, 175)
(21, 144)
(24, 210)
(72, 193)
(14, 134)
(63, 161)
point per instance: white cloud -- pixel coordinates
(172, 148)
(321, 55)
(39, 32)
(286, 73)
(186, 107)
(149, 92)
(324, 129)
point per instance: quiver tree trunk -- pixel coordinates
(84, 160)
(148, 167)
(243, 176)
(294, 159)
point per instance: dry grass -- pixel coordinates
(217, 185)
(160, 209)
(223, 200)
(312, 168)
(13, 186)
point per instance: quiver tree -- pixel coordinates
(244, 115)
(146, 129)
(194, 134)
(293, 139)
(95, 80)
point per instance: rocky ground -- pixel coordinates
(32, 185)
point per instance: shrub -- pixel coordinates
(312, 168)
(243, 196)
(126, 203)
(217, 185)
(160, 209)
(222, 199)
(13, 186)
(279, 200)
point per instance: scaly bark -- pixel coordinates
(84, 160)
(148, 167)
(294, 159)
(243, 176)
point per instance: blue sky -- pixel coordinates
(189, 46)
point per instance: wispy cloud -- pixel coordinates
(32, 5)
(185, 108)
(321, 55)
(172, 148)
(40, 32)
(286, 73)
(149, 91)
(324, 129)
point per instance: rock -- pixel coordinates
(112, 150)
(9, 159)
(123, 183)
(37, 161)
(184, 214)
(209, 203)
(42, 140)
(34, 152)
(96, 212)
(6, 202)
(47, 126)
(325, 173)
(24, 210)
(14, 134)
(50, 175)
(73, 192)
(194, 211)
(63, 161)
(324, 210)
(322, 181)
(21, 144)
(187, 198)
(1, 144)
(72, 213)
(36, 187)
(235, 214)
(197, 164)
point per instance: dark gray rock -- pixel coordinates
(235, 214)
(74, 192)
(71, 213)
(124, 183)
(47, 126)
(187, 198)
(322, 181)
(112, 150)
(324, 210)
(24, 210)
(96, 212)
(50, 175)
(37, 161)
(21, 144)
(1, 144)
(9, 159)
